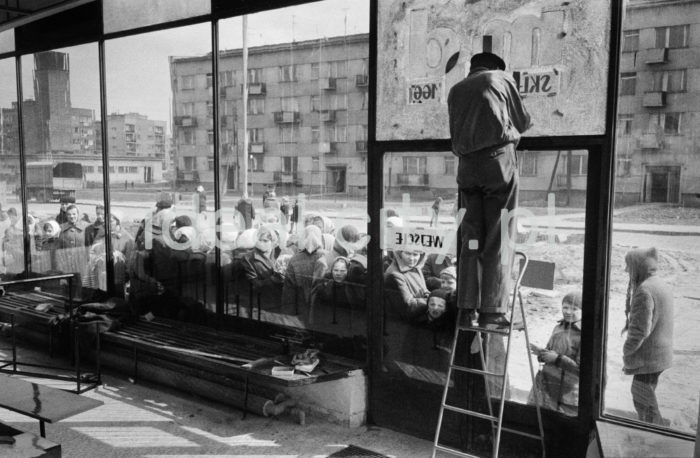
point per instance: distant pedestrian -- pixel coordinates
(648, 349)
(202, 201)
(126, 183)
(285, 208)
(247, 210)
(295, 216)
(435, 211)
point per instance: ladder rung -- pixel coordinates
(522, 433)
(454, 451)
(476, 371)
(470, 412)
(500, 331)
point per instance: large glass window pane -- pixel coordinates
(292, 169)
(652, 346)
(11, 228)
(61, 122)
(131, 14)
(421, 199)
(161, 151)
(558, 52)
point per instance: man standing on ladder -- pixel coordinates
(487, 117)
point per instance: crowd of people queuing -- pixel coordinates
(296, 263)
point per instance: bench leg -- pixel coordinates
(42, 428)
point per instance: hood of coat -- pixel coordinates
(641, 264)
(403, 266)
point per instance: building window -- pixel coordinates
(336, 69)
(256, 106)
(528, 164)
(132, 169)
(210, 108)
(288, 73)
(449, 166)
(315, 134)
(365, 100)
(315, 164)
(187, 109)
(255, 163)
(315, 103)
(187, 82)
(624, 124)
(362, 132)
(256, 135)
(668, 123)
(288, 134)
(630, 40)
(535, 49)
(579, 164)
(413, 165)
(289, 104)
(314, 71)
(228, 108)
(672, 37)
(337, 134)
(669, 81)
(255, 75)
(290, 164)
(339, 102)
(226, 78)
(210, 137)
(210, 163)
(628, 83)
(188, 137)
(210, 80)
(624, 167)
(188, 163)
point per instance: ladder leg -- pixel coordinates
(532, 374)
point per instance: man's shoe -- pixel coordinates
(493, 320)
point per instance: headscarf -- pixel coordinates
(313, 239)
(54, 225)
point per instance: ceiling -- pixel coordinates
(14, 13)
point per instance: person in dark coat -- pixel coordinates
(648, 349)
(298, 282)
(247, 210)
(72, 255)
(259, 268)
(294, 219)
(92, 230)
(65, 201)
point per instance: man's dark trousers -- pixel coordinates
(488, 184)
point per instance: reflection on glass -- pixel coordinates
(293, 144)
(652, 301)
(550, 231)
(163, 226)
(61, 101)
(11, 233)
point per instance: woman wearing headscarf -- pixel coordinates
(648, 349)
(259, 268)
(296, 293)
(44, 259)
(407, 293)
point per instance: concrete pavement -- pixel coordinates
(143, 420)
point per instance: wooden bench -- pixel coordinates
(46, 404)
(25, 444)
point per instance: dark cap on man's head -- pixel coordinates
(488, 60)
(165, 200)
(67, 199)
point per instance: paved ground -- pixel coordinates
(151, 421)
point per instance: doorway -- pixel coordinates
(662, 184)
(336, 179)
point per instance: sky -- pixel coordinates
(138, 75)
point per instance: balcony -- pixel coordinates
(287, 117)
(327, 116)
(656, 56)
(412, 179)
(256, 89)
(327, 84)
(361, 146)
(649, 141)
(654, 99)
(185, 121)
(256, 148)
(328, 147)
(286, 177)
(361, 80)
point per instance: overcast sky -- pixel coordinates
(138, 77)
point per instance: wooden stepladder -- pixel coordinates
(481, 335)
